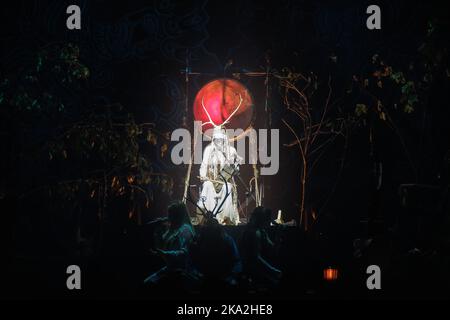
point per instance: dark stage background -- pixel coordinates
(135, 52)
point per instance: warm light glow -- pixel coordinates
(330, 274)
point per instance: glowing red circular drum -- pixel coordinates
(221, 98)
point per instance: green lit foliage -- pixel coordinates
(82, 151)
(404, 89)
(34, 90)
(386, 90)
(108, 145)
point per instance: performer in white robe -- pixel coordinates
(217, 155)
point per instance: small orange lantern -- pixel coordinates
(330, 274)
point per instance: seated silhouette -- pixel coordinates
(257, 248)
(172, 247)
(215, 255)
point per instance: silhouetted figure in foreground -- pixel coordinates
(173, 247)
(257, 248)
(215, 256)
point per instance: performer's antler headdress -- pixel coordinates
(218, 127)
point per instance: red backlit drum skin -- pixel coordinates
(221, 97)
